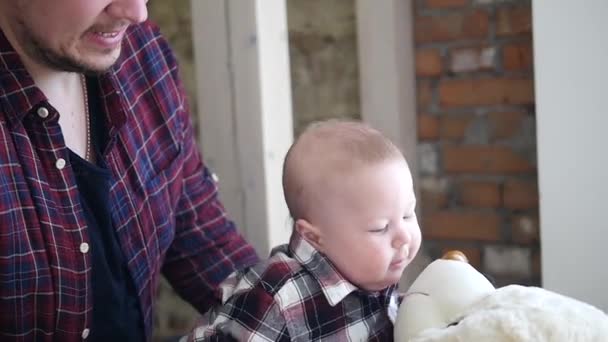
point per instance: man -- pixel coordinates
(101, 183)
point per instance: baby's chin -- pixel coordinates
(383, 284)
(393, 276)
(393, 280)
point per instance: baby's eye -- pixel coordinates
(380, 230)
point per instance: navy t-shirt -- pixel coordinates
(116, 311)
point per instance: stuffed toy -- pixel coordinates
(450, 301)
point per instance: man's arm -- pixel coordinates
(206, 247)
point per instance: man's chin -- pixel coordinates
(100, 64)
(87, 60)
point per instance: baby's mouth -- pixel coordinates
(402, 255)
(398, 262)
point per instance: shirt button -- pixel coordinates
(60, 163)
(85, 333)
(43, 112)
(84, 248)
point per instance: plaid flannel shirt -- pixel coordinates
(164, 204)
(298, 295)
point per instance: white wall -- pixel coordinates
(571, 71)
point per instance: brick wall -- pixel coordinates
(477, 136)
(324, 61)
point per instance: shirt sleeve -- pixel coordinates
(206, 248)
(250, 316)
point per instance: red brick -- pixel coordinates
(432, 200)
(520, 195)
(454, 26)
(486, 91)
(472, 59)
(480, 194)
(428, 63)
(433, 193)
(525, 229)
(518, 56)
(428, 127)
(484, 159)
(424, 94)
(451, 225)
(454, 127)
(446, 3)
(505, 125)
(472, 253)
(514, 20)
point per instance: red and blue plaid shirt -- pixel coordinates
(164, 204)
(298, 295)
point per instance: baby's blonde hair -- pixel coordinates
(326, 149)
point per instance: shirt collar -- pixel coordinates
(334, 286)
(18, 93)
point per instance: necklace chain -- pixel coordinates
(86, 115)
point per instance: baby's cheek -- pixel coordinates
(370, 263)
(385, 259)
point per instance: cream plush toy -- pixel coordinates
(450, 301)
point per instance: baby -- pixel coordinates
(350, 193)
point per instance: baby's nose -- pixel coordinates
(402, 239)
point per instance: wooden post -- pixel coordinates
(388, 84)
(244, 97)
(386, 69)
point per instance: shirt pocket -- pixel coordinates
(161, 193)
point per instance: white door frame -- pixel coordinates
(386, 71)
(245, 113)
(388, 84)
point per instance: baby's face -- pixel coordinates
(368, 224)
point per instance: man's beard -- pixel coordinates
(44, 55)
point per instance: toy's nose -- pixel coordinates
(455, 255)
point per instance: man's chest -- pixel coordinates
(42, 221)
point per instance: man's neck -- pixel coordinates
(55, 84)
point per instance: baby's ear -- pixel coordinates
(310, 233)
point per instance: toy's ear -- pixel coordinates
(455, 255)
